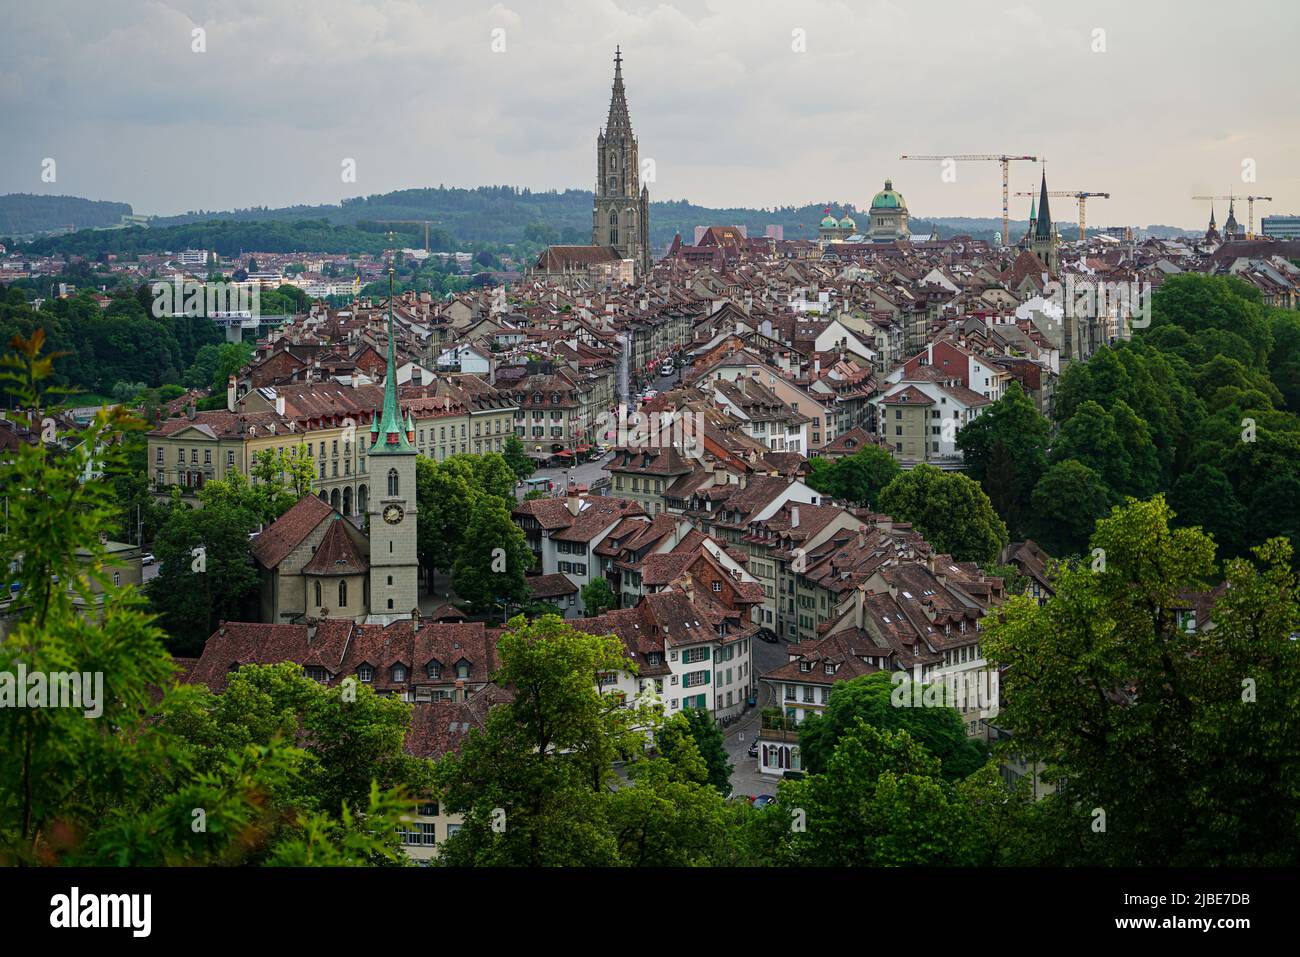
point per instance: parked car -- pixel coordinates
(768, 635)
(147, 558)
(753, 750)
(763, 800)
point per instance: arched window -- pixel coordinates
(318, 594)
(347, 501)
(613, 227)
(392, 482)
(343, 594)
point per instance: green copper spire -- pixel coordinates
(392, 430)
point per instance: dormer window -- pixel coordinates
(317, 673)
(433, 669)
(399, 672)
(805, 666)
(365, 674)
(830, 669)
(462, 669)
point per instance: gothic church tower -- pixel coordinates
(394, 567)
(621, 214)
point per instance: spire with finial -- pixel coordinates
(1043, 222)
(618, 117)
(392, 431)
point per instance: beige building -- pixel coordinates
(456, 415)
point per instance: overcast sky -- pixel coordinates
(721, 98)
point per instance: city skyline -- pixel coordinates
(770, 109)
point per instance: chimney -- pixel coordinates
(862, 536)
(230, 394)
(573, 502)
(189, 411)
(794, 516)
(279, 404)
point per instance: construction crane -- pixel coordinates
(413, 222)
(1002, 158)
(1250, 209)
(1079, 194)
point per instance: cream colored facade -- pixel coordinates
(208, 447)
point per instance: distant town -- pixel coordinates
(745, 550)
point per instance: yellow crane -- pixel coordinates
(1002, 158)
(413, 222)
(1079, 194)
(1250, 209)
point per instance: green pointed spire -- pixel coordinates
(392, 430)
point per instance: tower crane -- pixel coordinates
(1002, 158)
(413, 222)
(1079, 194)
(1250, 209)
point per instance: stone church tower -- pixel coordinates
(394, 566)
(621, 214)
(1045, 242)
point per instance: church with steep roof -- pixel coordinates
(619, 253)
(314, 564)
(620, 216)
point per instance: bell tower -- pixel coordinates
(394, 565)
(621, 212)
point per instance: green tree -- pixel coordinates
(880, 803)
(544, 758)
(857, 478)
(207, 574)
(517, 459)
(949, 509)
(598, 597)
(493, 558)
(1067, 502)
(110, 784)
(1186, 740)
(1005, 450)
(1206, 498)
(868, 698)
(697, 727)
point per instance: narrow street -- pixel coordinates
(746, 779)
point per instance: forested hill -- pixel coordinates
(488, 215)
(26, 214)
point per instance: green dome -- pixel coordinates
(847, 223)
(830, 222)
(887, 198)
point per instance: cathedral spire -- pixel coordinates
(618, 116)
(1043, 224)
(392, 431)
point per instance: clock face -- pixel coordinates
(393, 514)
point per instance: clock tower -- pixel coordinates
(394, 567)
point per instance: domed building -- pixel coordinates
(832, 230)
(888, 216)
